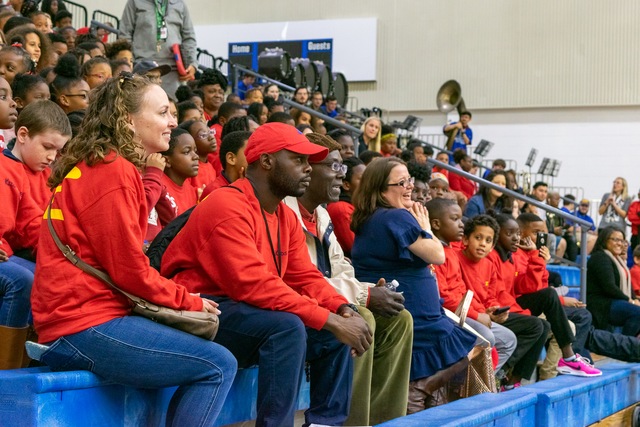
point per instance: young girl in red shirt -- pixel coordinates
(182, 165)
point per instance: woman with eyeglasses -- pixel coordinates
(610, 297)
(394, 240)
(68, 89)
(100, 211)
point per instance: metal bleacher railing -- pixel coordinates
(584, 225)
(80, 16)
(107, 19)
(235, 71)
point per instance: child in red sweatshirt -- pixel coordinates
(42, 130)
(524, 286)
(20, 220)
(182, 164)
(206, 144)
(445, 217)
(480, 276)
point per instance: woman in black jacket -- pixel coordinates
(609, 294)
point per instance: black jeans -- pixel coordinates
(547, 301)
(531, 333)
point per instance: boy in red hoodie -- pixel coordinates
(446, 223)
(524, 285)
(42, 130)
(480, 276)
(20, 220)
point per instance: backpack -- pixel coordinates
(161, 242)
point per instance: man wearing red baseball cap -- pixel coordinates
(246, 250)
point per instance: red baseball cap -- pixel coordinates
(273, 137)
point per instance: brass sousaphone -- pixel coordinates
(449, 98)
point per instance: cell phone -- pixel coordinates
(502, 309)
(541, 239)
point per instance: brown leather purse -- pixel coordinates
(198, 323)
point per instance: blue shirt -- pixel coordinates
(332, 114)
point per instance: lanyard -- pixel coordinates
(161, 13)
(278, 261)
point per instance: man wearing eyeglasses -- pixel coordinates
(381, 375)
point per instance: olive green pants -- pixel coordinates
(381, 376)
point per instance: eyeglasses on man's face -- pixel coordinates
(336, 167)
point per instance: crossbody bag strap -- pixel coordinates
(75, 260)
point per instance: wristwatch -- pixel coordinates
(352, 307)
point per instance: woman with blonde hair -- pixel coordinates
(100, 211)
(615, 205)
(371, 135)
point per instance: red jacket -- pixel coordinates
(505, 276)
(101, 213)
(340, 213)
(452, 287)
(20, 217)
(633, 215)
(224, 250)
(462, 184)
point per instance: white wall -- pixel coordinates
(594, 145)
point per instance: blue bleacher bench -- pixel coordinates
(563, 401)
(37, 397)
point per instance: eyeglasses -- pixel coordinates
(405, 183)
(203, 135)
(336, 167)
(81, 95)
(616, 240)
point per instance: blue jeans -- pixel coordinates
(623, 313)
(16, 279)
(279, 343)
(581, 318)
(138, 352)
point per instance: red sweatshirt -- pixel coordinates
(220, 181)
(531, 273)
(20, 217)
(206, 174)
(40, 192)
(505, 276)
(462, 184)
(101, 213)
(451, 285)
(480, 277)
(182, 196)
(224, 250)
(340, 213)
(635, 279)
(162, 210)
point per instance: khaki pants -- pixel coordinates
(548, 368)
(381, 375)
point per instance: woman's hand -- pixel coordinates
(421, 215)
(156, 160)
(3, 256)
(209, 306)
